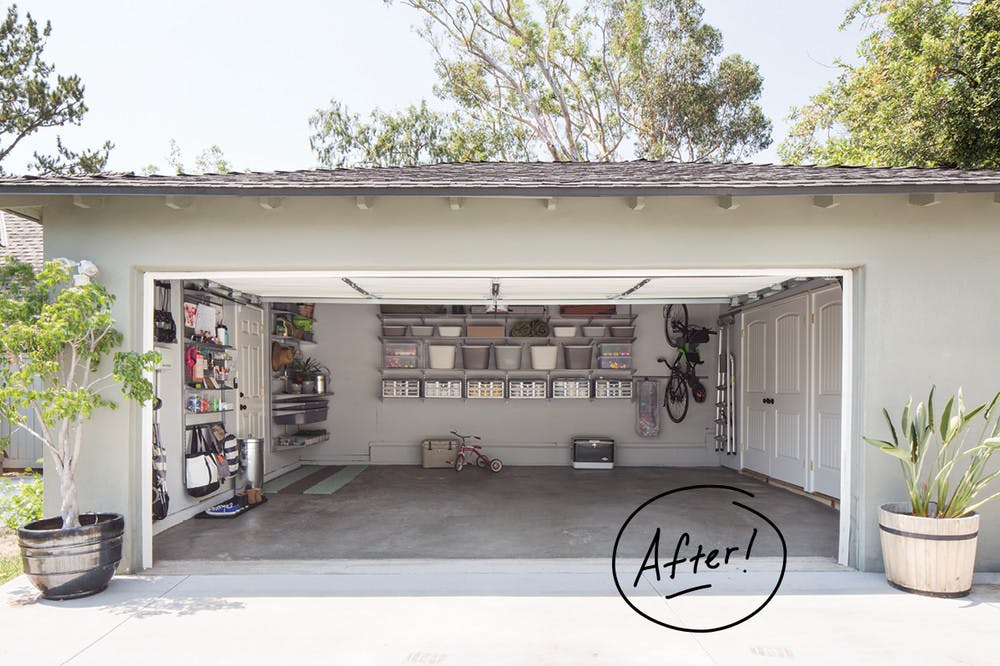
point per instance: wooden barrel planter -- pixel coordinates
(930, 556)
(74, 562)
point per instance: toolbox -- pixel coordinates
(593, 453)
(438, 452)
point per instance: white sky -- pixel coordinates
(246, 75)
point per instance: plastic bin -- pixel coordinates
(485, 331)
(442, 357)
(475, 357)
(449, 331)
(508, 357)
(595, 331)
(577, 357)
(544, 357)
(393, 331)
(421, 331)
(564, 331)
(623, 331)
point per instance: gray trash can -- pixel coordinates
(252, 461)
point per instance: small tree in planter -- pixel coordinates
(57, 333)
(929, 543)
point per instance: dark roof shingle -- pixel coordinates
(638, 177)
(22, 238)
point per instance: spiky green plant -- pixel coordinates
(929, 452)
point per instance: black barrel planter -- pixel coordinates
(72, 563)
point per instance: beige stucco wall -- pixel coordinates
(927, 309)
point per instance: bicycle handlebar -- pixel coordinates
(476, 437)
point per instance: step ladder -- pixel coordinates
(725, 432)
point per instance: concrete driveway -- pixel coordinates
(541, 612)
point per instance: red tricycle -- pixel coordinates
(494, 464)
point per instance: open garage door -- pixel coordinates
(788, 442)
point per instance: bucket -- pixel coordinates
(508, 357)
(577, 357)
(544, 357)
(442, 357)
(475, 357)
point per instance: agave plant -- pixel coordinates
(930, 451)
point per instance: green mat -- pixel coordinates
(337, 481)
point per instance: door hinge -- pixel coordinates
(812, 317)
(811, 468)
(743, 332)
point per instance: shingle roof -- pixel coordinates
(527, 178)
(21, 238)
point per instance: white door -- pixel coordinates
(826, 386)
(251, 372)
(757, 416)
(789, 446)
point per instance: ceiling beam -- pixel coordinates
(825, 201)
(923, 200)
(365, 203)
(727, 202)
(177, 203)
(456, 203)
(271, 203)
(636, 203)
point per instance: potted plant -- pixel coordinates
(304, 372)
(56, 336)
(929, 542)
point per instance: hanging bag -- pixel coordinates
(647, 415)
(229, 448)
(164, 328)
(161, 500)
(201, 471)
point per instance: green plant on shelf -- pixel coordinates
(306, 369)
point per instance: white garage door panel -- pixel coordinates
(827, 355)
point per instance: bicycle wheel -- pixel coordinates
(481, 461)
(496, 465)
(675, 321)
(675, 398)
(459, 462)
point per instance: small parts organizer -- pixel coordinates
(615, 356)
(570, 388)
(399, 355)
(528, 389)
(510, 389)
(207, 365)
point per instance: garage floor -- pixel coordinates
(538, 512)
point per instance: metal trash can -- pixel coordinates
(252, 461)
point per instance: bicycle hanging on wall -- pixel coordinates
(683, 380)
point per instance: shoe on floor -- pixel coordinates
(226, 509)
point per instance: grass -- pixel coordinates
(10, 567)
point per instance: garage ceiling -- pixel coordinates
(516, 289)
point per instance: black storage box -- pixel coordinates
(593, 453)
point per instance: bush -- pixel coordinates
(22, 501)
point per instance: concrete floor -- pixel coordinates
(524, 512)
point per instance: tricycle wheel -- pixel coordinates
(496, 465)
(459, 462)
(481, 462)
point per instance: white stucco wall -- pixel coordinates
(926, 307)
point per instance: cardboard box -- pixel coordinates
(438, 452)
(484, 331)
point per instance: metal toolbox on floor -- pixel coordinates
(438, 452)
(593, 453)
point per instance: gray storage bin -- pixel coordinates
(475, 357)
(577, 357)
(508, 357)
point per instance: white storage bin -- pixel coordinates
(564, 331)
(544, 357)
(449, 331)
(442, 357)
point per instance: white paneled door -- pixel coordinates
(826, 386)
(776, 390)
(251, 371)
(790, 397)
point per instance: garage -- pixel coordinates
(409, 359)
(807, 269)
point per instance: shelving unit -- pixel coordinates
(291, 411)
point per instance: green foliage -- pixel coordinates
(209, 160)
(417, 135)
(35, 97)
(56, 340)
(926, 92)
(22, 502)
(541, 79)
(929, 452)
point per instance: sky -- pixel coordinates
(247, 75)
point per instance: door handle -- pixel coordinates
(243, 408)
(767, 401)
(241, 394)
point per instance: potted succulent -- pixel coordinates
(929, 542)
(56, 337)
